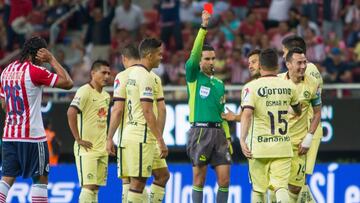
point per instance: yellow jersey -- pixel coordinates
(270, 97)
(309, 95)
(92, 119)
(139, 87)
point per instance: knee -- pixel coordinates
(40, 180)
(137, 184)
(294, 189)
(224, 181)
(162, 178)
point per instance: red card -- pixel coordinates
(208, 7)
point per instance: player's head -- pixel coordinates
(150, 51)
(129, 55)
(253, 59)
(100, 72)
(268, 60)
(30, 49)
(207, 62)
(292, 42)
(296, 62)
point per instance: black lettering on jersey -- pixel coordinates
(131, 82)
(265, 91)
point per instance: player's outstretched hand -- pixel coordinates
(110, 147)
(229, 116)
(245, 150)
(164, 151)
(205, 16)
(44, 55)
(86, 144)
(303, 150)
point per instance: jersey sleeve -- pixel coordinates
(119, 89)
(41, 76)
(1, 90)
(192, 64)
(80, 99)
(316, 97)
(146, 88)
(248, 97)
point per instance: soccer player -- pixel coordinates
(254, 69)
(265, 104)
(142, 141)
(130, 58)
(209, 136)
(87, 118)
(301, 135)
(24, 148)
(312, 71)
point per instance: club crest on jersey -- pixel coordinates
(307, 94)
(102, 113)
(204, 92)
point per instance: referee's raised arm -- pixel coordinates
(192, 64)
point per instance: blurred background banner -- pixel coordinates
(330, 183)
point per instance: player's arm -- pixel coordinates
(115, 119)
(161, 106)
(294, 103)
(76, 107)
(64, 80)
(246, 117)
(146, 87)
(192, 64)
(161, 115)
(316, 105)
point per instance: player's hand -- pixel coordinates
(164, 151)
(205, 16)
(229, 116)
(44, 55)
(86, 144)
(303, 150)
(110, 147)
(245, 150)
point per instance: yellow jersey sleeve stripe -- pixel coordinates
(146, 100)
(160, 99)
(249, 107)
(118, 99)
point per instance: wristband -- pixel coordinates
(307, 140)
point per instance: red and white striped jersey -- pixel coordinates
(21, 87)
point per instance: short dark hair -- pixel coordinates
(294, 41)
(254, 52)
(130, 51)
(268, 58)
(98, 63)
(207, 47)
(295, 50)
(31, 47)
(148, 45)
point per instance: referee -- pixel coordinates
(209, 137)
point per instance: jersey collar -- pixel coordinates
(269, 75)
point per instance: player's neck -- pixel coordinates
(97, 87)
(294, 78)
(267, 73)
(146, 63)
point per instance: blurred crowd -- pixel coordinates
(80, 31)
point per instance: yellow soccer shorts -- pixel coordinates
(92, 169)
(312, 153)
(270, 173)
(298, 167)
(157, 162)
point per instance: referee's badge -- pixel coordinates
(204, 92)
